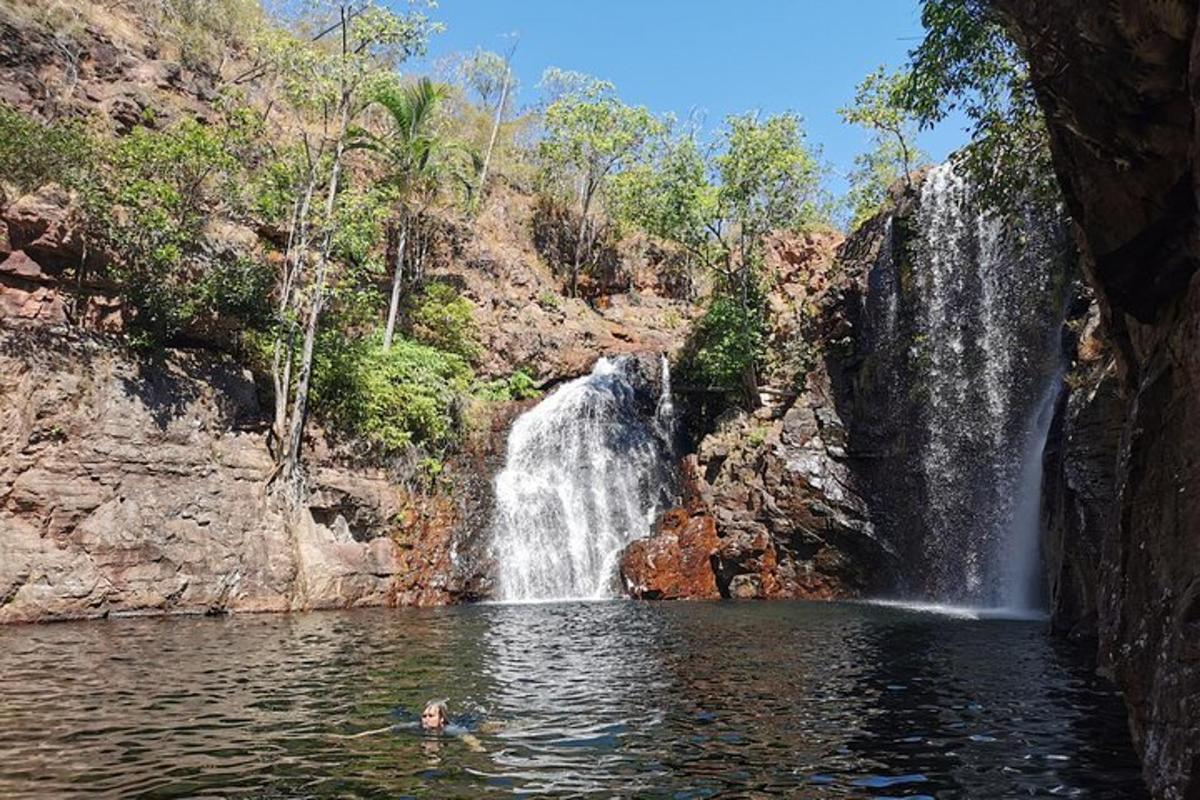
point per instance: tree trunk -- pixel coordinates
(487, 158)
(580, 242)
(290, 466)
(397, 281)
(285, 338)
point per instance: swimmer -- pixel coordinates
(435, 718)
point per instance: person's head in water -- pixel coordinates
(434, 717)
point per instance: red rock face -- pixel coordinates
(677, 562)
(133, 487)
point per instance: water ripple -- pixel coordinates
(570, 700)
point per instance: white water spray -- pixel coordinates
(587, 471)
(985, 357)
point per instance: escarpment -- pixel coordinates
(1117, 87)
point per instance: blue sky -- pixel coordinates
(716, 57)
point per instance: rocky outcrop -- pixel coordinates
(773, 506)
(678, 561)
(524, 319)
(1079, 496)
(788, 506)
(132, 485)
(1118, 88)
(772, 510)
(99, 60)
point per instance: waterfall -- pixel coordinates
(587, 471)
(976, 370)
(664, 412)
(1019, 584)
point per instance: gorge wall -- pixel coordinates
(134, 485)
(1118, 85)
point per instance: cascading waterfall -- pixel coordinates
(983, 357)
(587, 471)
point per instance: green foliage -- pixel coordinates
(769, 180)
(757, 435)
(411, 149)
(874, 173)
(314, 77)
(157, 192)
(668, 194)
(33, 153)
(588, 133)
(967, 61)
(408, 395)
(727, 340)
(444, 319)
(518, 386)
(880, 107)
(759, 177)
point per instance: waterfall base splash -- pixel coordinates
(587, 471)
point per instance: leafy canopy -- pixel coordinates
(967, 61)
(588, 134)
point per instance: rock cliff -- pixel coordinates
(1118, 87)
(775, 502)
(132, 485)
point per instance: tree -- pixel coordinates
(589, 133)
(488, 77)
(333, 85)
(967, 61)
(719, 205)
(879, 107)
(485, 78)
(556, 83)
(150, 202)
(874, 173)
(415, 156)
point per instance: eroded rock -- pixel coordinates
(130, 485)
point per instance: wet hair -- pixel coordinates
(440, 707)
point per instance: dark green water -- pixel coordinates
(601, 699)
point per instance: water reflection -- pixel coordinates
(603, 699)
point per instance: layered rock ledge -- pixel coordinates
(134, 485)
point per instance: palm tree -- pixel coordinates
(416, 158)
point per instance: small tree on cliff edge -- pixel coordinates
(880, 107)
(588, 135)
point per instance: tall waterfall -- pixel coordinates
(976, 369)
(587, 471)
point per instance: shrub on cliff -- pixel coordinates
(33, 153)
(151, 207)
(444, 319)
(408, 395)
(520, 385)
(727, 340)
